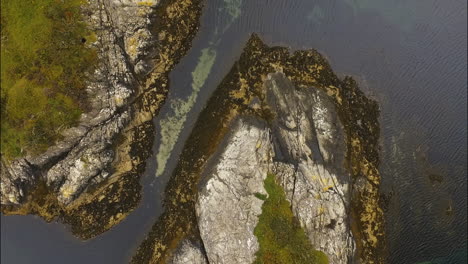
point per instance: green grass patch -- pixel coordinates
(45, 61)
(280, 236)
(261, 196)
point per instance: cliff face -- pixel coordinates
(91, 178)
(287, 115)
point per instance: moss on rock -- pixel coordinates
(280, 236)
(44, 68)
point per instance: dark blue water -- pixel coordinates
(409, 55)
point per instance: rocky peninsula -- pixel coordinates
(286, 115)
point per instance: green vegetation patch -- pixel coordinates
(281, 238)
(45, 60)
(261, 196)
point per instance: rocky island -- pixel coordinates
(281, 166)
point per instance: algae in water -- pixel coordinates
(173, 123)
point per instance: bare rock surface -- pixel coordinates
(227, 209)
(15, 175)
(188, 253)
(315, 183)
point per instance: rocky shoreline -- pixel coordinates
(90, 180)
(287, 114)
(276, 112)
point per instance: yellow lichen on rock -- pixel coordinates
(132, 42)
(148, 3)
(334, 92)
(67, 192)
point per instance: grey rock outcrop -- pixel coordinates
(310, 153)
(15, 175)
(188, 252)
(304, 147)
(227, 209)
(319, 205)
(85, 155)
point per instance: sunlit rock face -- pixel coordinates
(304, 147)
(188, 253)
(227, 209)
